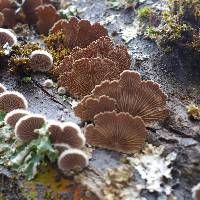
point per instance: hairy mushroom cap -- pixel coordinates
(196, 192)
(79, 32)
(86, 74)
(6, 36)
(2, 88)
(47, 16)
(119, 132)
(72, 159)
(26, 126)
(41, 61)
(13, 117)
(11, 101)
(67, 133)
(91, 106)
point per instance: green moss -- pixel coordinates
(144, 12)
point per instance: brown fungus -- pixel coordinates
(6, 36)
(2, 88)
(13, 117)
(79, 32)
(26, 127)
(66, 133)
(2, 19)
(12, 100)
(72, 159)
(86, 73)
(102, 48)
(47, 16)
(41, 61)
(119, 132)
(90, 106)
(139, 98)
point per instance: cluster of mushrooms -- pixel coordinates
(66, 137)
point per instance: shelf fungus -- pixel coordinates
(196, 192)
(2, 88)
(41, 61)
(134, 96)
(12, 100)
(66, 133)
(7, 37)
(79, 32)
(87, 73)
(119, 132)
(90, 106)
(13, 117)
(47, 16)
(72, 159)
(25, 128)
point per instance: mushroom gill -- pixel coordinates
(12, 100)
(86, 73)
(13, 117)
(117, 131)
(72, 159)
(79, 32)
(6, 36)
(26, 126)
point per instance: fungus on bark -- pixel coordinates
(72, 159)
(41, 61)
(6, 36)
(26, 126)
(13, 117)
(66, 133)
(2, 88)
(12, 100)
(87, 73)
(79, 32)
(47, 16)
(91, 106)
(119, 132)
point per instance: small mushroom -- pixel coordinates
(119, 132)
(89, 107)
(72, 159)
(13, 117)
(47, 16)
(11, 101)
(48, 83)
(196, 192)
(66, 133)
(2, 88)
(61, 147)
(26, 127)
(6, 36)
(41, 61)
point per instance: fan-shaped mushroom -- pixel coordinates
(13, 117)
(12, 100)
(196, 192)
(86, 73)
(2, 88)
(91, 106)
(26, 126)
(119, 132)
(66, 133)
(47, 16)
(72, 159)
(79, 32)
(41, 61)
(6, 36)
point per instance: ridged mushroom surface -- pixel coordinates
(2, 88)
(12, 100)
(26, 126)
(6, 36)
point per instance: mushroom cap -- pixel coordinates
(26, 126)
(72, 159)
(13, 117)
(91, 106)
(41, 61)
(2, 88)
(61, 147)
(47, 16)
(86, 73)
(12, 100)
(79, 32)
(2, 19)
(196, 192)
(119, 132)
(6, 36)
(67, 133)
